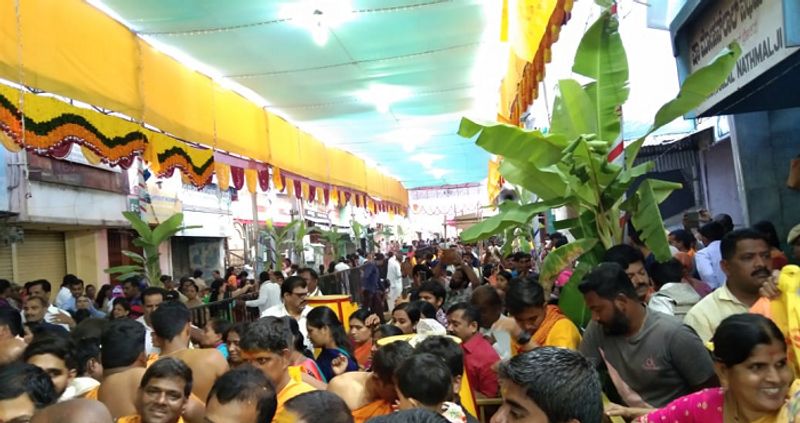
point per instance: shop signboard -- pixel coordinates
(758, 26)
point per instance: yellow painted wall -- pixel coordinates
(87, 255)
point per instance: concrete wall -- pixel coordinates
(766, 143)
(722, 195)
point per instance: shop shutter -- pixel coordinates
(41, 255)
(6, 265)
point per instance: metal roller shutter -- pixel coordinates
(41, 255)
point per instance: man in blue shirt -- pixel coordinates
(373, 292)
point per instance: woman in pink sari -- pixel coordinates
(750, 360)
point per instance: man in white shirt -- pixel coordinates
(269, 293)
(64, 298)
(312, 280)
(152, 297)
(708, 259)
(395, 277)
(294, 292)
(55, 315)
(341, 266)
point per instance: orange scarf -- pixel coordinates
(363, 354)
(551, 316)
(373, 409)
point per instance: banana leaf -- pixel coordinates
(561, 258)
(573, 113)
(547, 184)
(646, 217)
(128, 268)
(510, 215)
(570, 299)
(134, 256)
(601, 56)
(141, 227)
(515, 143)
(695, 89)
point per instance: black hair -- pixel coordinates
(263, 276)
(278, 275)
(267, 334)
(423, 270)
(666, 272)
(310, 271)
(68, 279)
(469, 312)
(506, 274)
(361, 315)
(608, 280)
(684, 237)
(446, 349)
(425, 378)
(737, 335)
(414, 415)
(165, 278)
(170, 319)
(521, 256)
(11, 319)
(522, 294)
(221, 326)
(169, 367)
(154, 290)
(298, 341)
(44, 283)
(387, 330)
(624, 255)
(289, 284)
(122, 343)
(319, 407)
(89, 328)
(20, 378)
(122, 302)
(418, 309)
(561, 382)
(238, 328)
(713, 231)
(489, 294)
(197, 273)
(86, 349)
(434, 287)
(768, 229)
(73, 282)
(388, 359)
(246, 384)
(60, 346)
(102, 293)
(725, 220)
(727, 246)
(321, 317)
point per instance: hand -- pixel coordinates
(339, 365)
(628, 413)
(769, 288)
(63, 319)
(372, 321)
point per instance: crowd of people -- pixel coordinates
(442, 326)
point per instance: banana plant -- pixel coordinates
(149, 240)
(279, 239)
(335, 241)
(569, 165)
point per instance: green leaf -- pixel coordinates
(604, 3)
(646, 217)
(134, 256)
(696, 88)
(562, 258)
(547, 184)
(570, 299)
(601, 56)
(513, 215)
(573, 111)
(515, 143)
(140, 226)
(124, 269)
(167, 228)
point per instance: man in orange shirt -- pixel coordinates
(163, 393)
(266, 345)
(544, 324)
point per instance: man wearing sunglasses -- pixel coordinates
(294, 293)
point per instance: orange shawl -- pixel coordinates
(373, 409)
(551, 316)
(363, 354)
